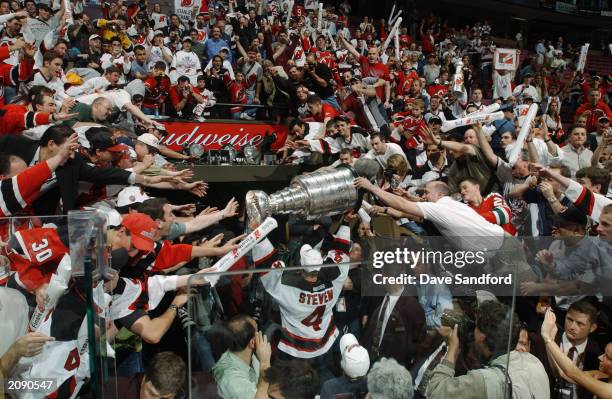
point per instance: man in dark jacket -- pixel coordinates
(64, 183)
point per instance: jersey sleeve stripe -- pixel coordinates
(500, 216)
(21, 242)
(18, 196)
(10, 201)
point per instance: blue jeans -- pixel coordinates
(131, 365)
(204, 351)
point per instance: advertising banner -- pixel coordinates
(216, 135)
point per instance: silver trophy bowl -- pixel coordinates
(321, 193)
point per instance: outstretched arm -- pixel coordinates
(394, 201)
(349, 46)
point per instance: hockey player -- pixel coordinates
(306, 299)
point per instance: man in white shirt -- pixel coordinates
(575, 154)
(453, 219)
(502, 83)
(111, 77)
(381, 150)
(51, 75)
(526, 89)
(185, 63)
(158, 51)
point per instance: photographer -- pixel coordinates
(527, 375)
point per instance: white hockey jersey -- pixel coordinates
(133, 294)
(120, 62)
(308, 328)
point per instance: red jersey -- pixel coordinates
(495, 209)
(378, 70)
(438, 89)
(327, 111)
(594, 113)
(15, 118)
(411, 124)
(170, 255)
(156, 91)
(405, 82)
(21, 190)
(237, 91)
(11, 75)
(176, 96)
(41, 251)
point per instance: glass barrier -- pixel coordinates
(333, 308)
(53, 305)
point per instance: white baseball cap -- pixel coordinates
(355, 359)
(131, 195)
(149, 139)
(311, 258)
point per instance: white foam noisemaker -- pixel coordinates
(471, 119)
(522, 136)
(391, 35)
(227, 261)
(489, 109)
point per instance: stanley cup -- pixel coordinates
(328, 192)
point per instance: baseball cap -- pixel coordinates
(94, 36)
(507, 107)
(101, 139)
(355, 359)
(434, 119)
(310, 258)
(224, 49)
(150, 140)
(603, 118)
(143, 230)
(131, 195)
(187, 38)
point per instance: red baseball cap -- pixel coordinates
(143, 230)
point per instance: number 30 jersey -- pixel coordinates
(308, 328)
(36, 256)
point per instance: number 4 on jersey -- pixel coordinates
(314, 319)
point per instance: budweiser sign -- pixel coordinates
(216, 135)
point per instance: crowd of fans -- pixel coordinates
(81, 112)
